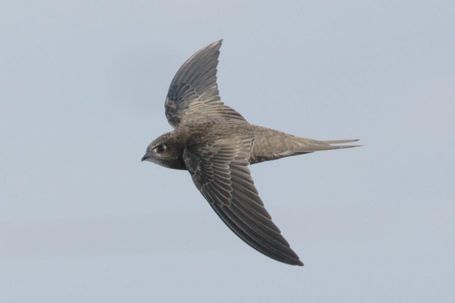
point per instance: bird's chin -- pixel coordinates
(152, 159)
(168, 163)
(157, 161)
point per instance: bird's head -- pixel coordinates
(165, 151)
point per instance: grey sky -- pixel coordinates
(82, 92)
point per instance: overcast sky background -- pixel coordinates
(82, 94)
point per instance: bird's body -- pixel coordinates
(216, 144)
(267, 144)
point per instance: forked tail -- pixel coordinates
(271, 144)
(334, 144)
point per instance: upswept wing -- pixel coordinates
(193, 93)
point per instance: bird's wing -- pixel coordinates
(193, 93)
(220, 172)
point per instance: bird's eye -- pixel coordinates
(160, 148)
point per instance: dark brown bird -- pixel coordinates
(216, 144)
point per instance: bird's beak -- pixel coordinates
(145, 157)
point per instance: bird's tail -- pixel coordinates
(335, 144)
(307, 145)
(271, 144)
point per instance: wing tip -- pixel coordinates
(216, 44)
(294, 261)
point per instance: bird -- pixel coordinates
(216, 145)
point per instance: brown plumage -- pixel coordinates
(216, 144)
